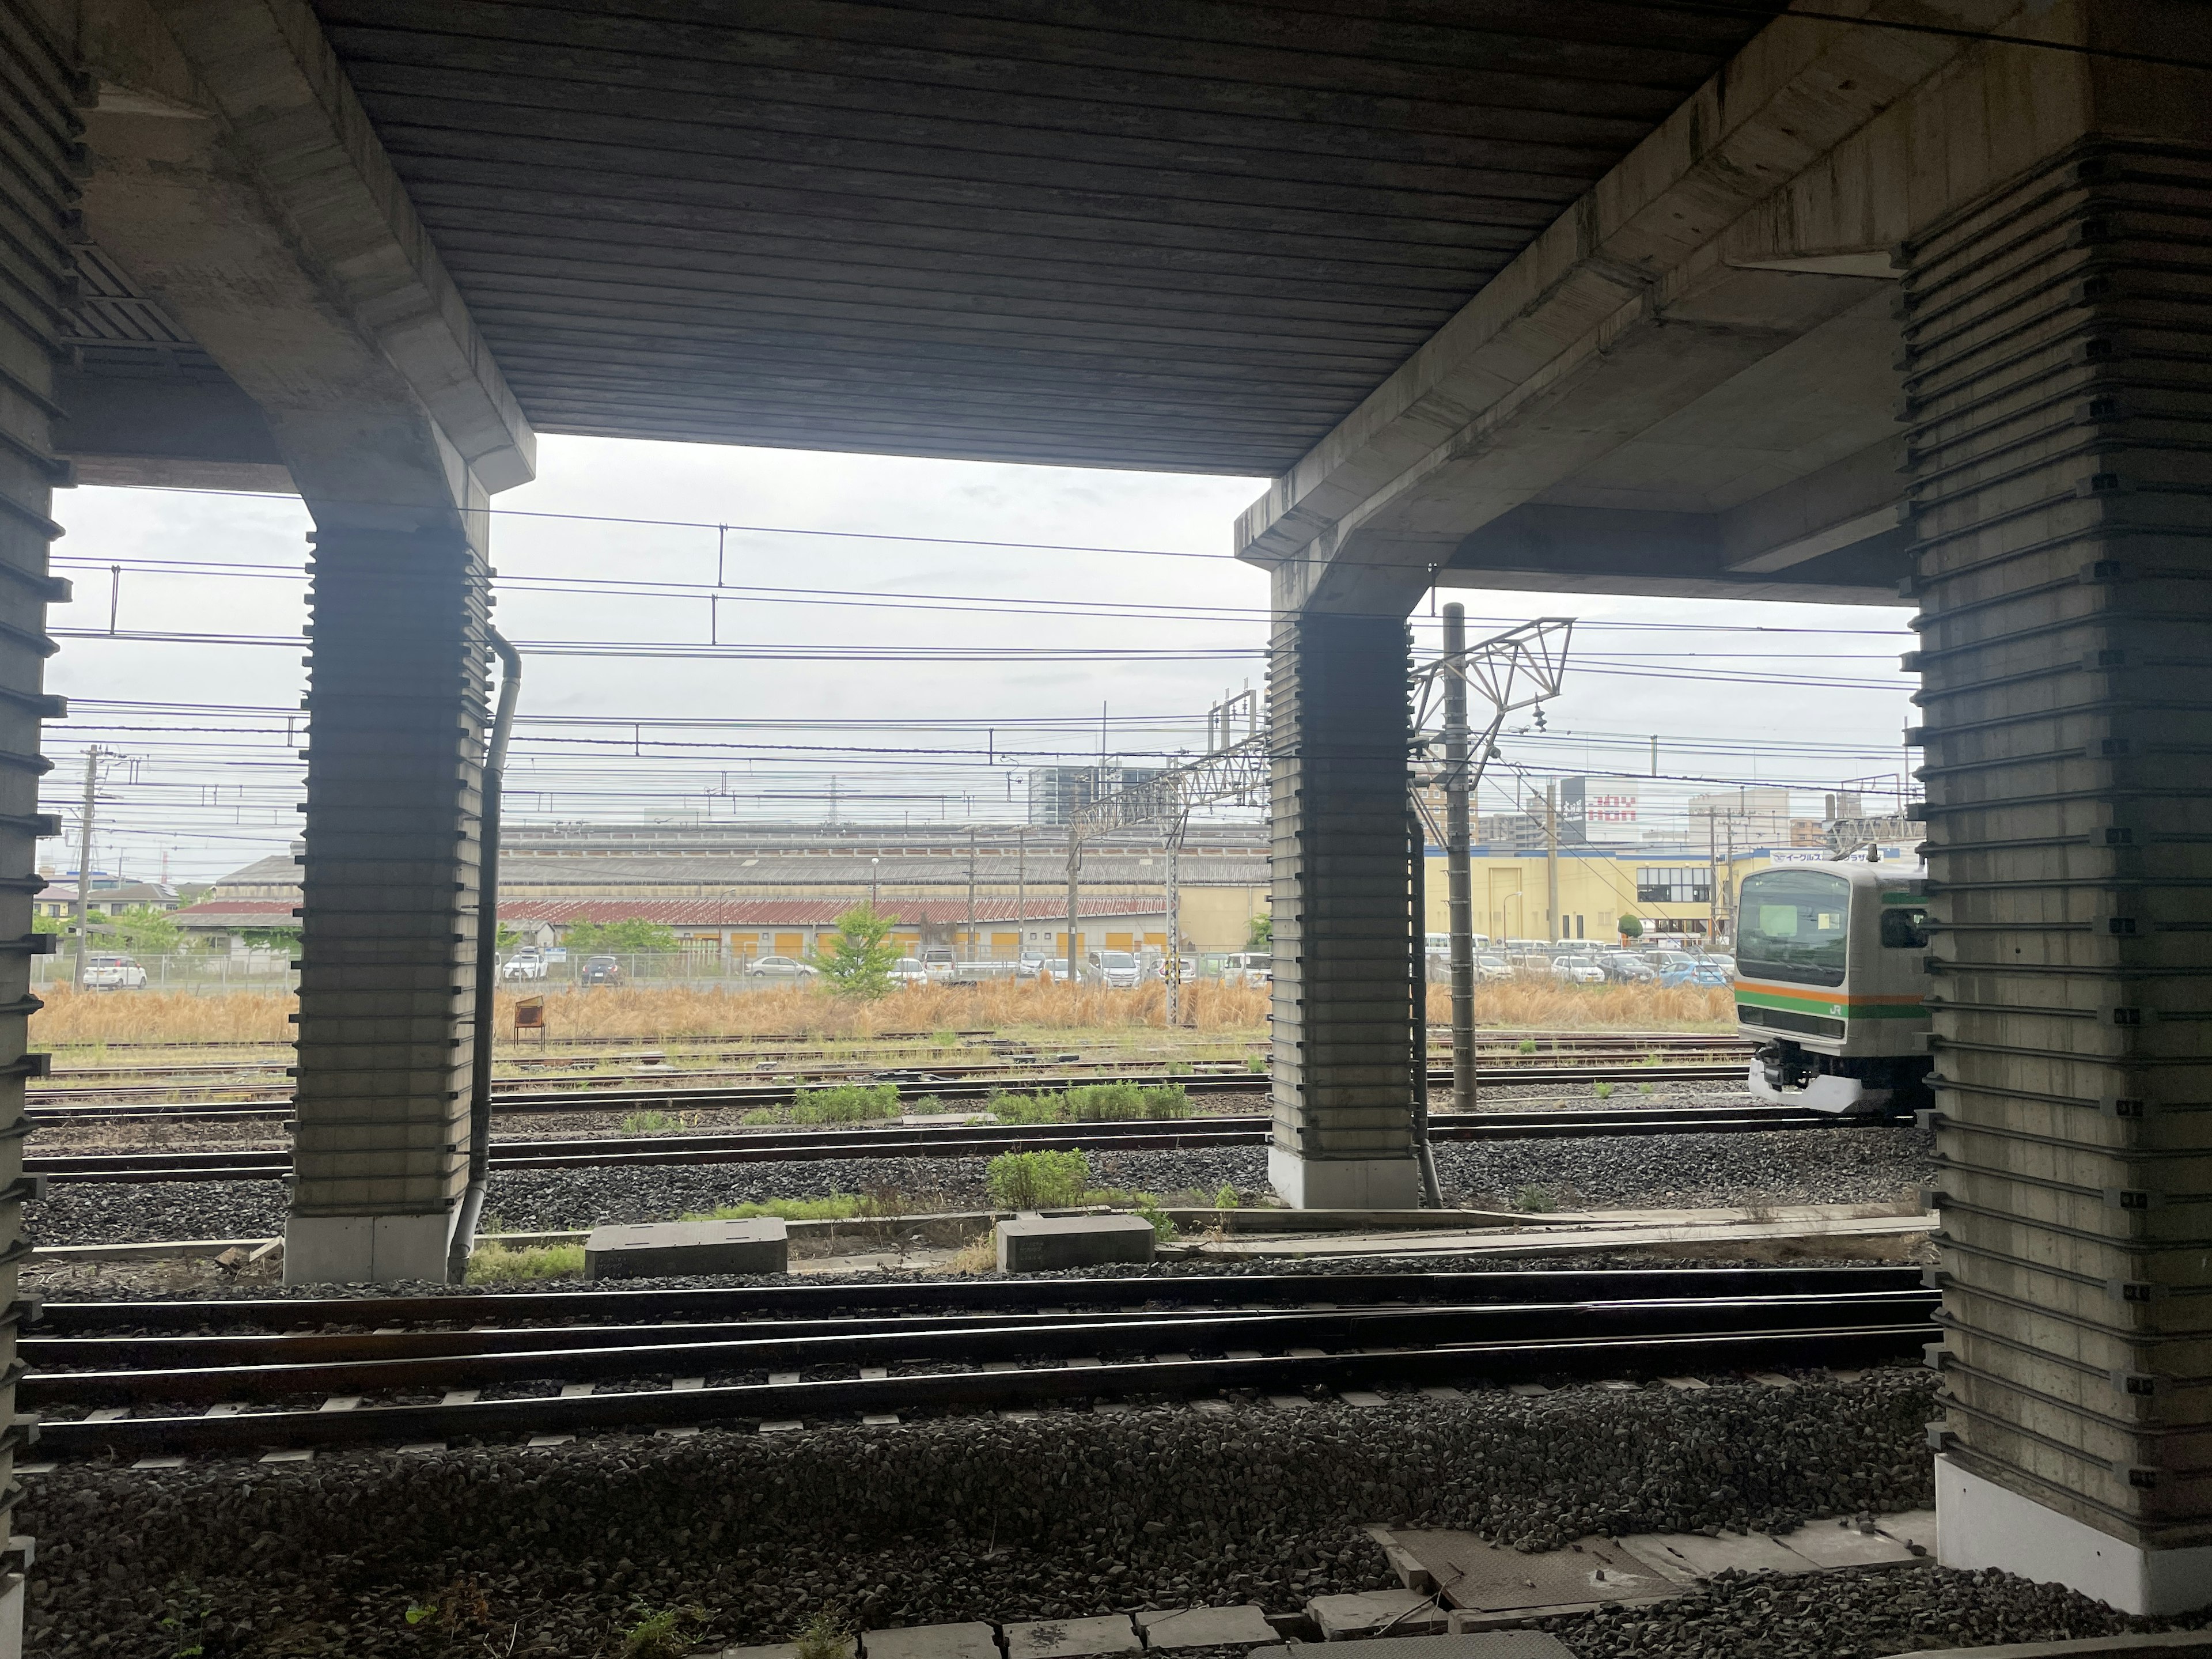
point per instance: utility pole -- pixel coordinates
(1074, 858)
(1552, 857)
(1021, 894)
(971, 892)
(1171, 969)
(1459, 872)
(84, 865)
(1712, 877)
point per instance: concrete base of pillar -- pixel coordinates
(1979, 1524)
(11, 1617)
(367, 1249)
(1363, 1183)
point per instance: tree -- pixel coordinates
(858, 961)
(507, 938)
(145, 930)
(1631, 926)
(1260, 935)
(631, 936)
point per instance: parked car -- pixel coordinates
(776, 968)
(1051, 970)
(937, 962)
(1689, 971)
(528, 962)
(1027, 965)
(1249, 968)
(1578, 969)
(113, 974)
(1626, 968)
(601, 970)
(1116, 970)
(1488, 965)
(909, 970)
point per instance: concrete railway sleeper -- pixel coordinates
(971, 1141)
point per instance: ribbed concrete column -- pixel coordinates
(37, 79)
(2059, 392)
(1343, 915)
(396, 723)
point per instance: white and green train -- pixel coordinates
(1832, 982)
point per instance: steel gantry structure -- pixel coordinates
(1519, 669)
(1233, 772)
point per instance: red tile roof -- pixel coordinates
(809, 912)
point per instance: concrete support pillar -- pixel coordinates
(387, 1016)
(1343, 915)
(2058, 389)
(40, 89)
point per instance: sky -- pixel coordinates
(940, 628)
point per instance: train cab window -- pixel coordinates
(1904, 927)
(1793, 927)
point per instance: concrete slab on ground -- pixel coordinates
(1402, 1612)
(1481, 1577)
(933, 1642)
(1198, 1627)
(1825, 1544)
(1686, 1557)
(1910, 1527)
(1044, 1243)
(1072, 1638)
(659, 1249)
(1485, 1645)
(1554, 1239)
(2166, 1644)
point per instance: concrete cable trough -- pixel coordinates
(742, 1354)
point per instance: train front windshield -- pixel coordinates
(1793, 926)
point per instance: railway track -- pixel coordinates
(957, 1141)
(146, 1379)
(51, 1107)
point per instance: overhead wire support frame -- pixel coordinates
(1237, 773)
(1518, 669)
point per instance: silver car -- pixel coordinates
(1116, 970)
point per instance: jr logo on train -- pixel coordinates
(1832, 982)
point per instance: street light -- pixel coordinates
(873, 863)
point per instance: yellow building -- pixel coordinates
(1669, 890)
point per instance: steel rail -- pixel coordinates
(612, 1151)
(1550, 1357)
(790, 1301)
(594, 1100)
(1031, 1339)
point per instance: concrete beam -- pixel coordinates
(162, 427)
(1692, 261)
(236, 179)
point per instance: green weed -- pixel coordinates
(846, 1103)
(494, 1263)
(826, 1636)
(839, 1207)
(1255, 1063)
(1228, 1198)
(1643, 1089)
(1603, 1090)
(1528, 1045)
(1536, 1201)
(651, 1123)
(662, 1635)
(1036, 1180)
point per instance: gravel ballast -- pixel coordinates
(1801, 1166)
(943, 1518)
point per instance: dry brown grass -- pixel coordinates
(72, 1018)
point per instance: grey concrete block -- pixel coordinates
(1204, 1627)
(1402, 1612)
(1479, 1645)
(779, 1650)
(1043, 1243)
(687, 1247)
(1072, 1638)
(933, 1642)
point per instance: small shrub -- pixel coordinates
(826, 1636)
(650, 1123)
(1227, 1198)
(661, 1635)
(1643, 1089)
(1179, 1068)
(846, 1103)
(1255, 1063)
(1036, 1180)
(494, 1263)
(1536, 1201)
(1528, 1045)
(1026, 1109)
(1603, 1090)
(762, 1114)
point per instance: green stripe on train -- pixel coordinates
(1813, 1004)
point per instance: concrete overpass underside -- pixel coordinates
(1619, 298)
